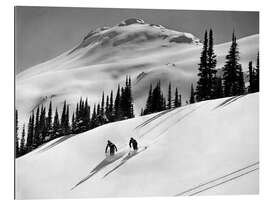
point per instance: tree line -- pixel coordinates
(231, 83)
(209, 84)
(44, 125)
(156, 101)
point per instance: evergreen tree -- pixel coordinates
(94, 118)
(111, 106)
(16, 122)
(49, 121)
(202, 84)
(117, 104)
(102, 105)
(87, 115)
(123, 104)
(149, 108)
(63, 121)
(176, 98)
(56, 125)
(241, 80)
(107, 107)
(81, 121)
(73, 124)
(257, 75)
(142, 112)
(67, 124)
(42, 125)
(180, 100)
(169, 97)
(192, 98)
(37, 140)
(76, 113)
(98, 109)
(17, 147)
(30, 134)
(218, 88)
(251, 87)
(128, 100)
(164, 106)
(22, 143)
(211, 67)
(233, 75)
(99, 117)
(157, 99)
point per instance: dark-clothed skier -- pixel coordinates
(133, 144)
(112, 147)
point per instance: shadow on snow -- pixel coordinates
(59, 141)
(129, 156)
(229, 101)
(108, 160)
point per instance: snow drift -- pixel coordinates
(209, 148)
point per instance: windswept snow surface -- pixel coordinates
(104, 57)
(206, 148)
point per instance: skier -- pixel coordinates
(133, 144)
(112, 147)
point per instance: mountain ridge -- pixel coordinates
(98, 66)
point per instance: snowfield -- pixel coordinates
(104, 57)
(206, 148)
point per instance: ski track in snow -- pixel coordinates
(162, 121)
(107, 161)
(228, 101)
(150, 130)
(128, 155)
(59, 141)
(125, 159)
(153, 118)
(220, 180)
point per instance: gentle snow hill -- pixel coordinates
(186, 147)
(104, 57)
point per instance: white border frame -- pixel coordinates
(7, 86)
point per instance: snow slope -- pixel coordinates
(104, 57)
(206, 148)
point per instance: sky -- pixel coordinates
(42, 33)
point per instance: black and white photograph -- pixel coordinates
(125, 102)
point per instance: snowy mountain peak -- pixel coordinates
(131, 21)
(106, 55)
(134, 32)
